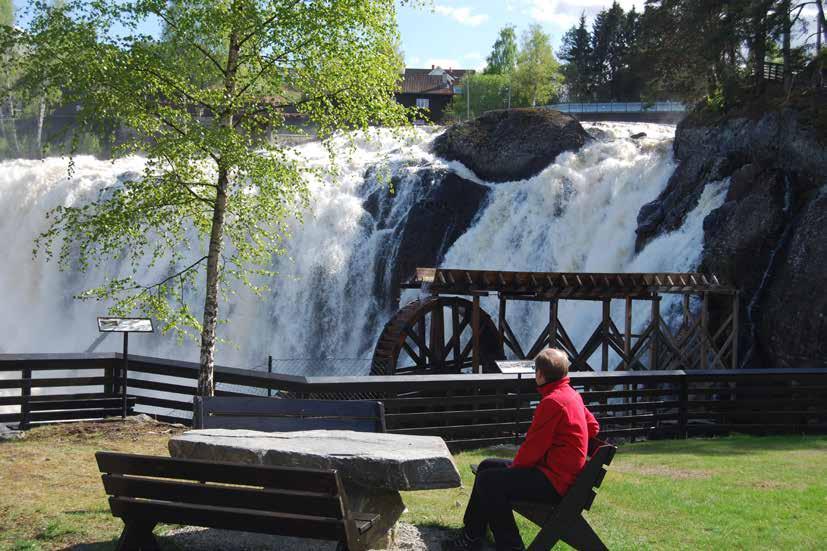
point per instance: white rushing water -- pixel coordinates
(331, 297)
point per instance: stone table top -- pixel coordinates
(368, 459)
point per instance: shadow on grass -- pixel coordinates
(727, 445)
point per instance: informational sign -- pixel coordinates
(125, 325)
(458, 89)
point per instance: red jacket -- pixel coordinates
(558, 438)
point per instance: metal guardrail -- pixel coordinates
(618, 107)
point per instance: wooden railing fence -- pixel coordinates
(466, 410)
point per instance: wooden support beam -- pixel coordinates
(501, 322)
(653, 347)
(607, 316)
(627, 341)
(475, 328)
(437, 338)
(704, 331)
(552, 323)
(455, 337)
(735, 311)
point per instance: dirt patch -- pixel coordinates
(133, 429)
(663, 470)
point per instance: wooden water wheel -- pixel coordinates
(434, 335)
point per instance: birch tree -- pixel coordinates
(243, 63)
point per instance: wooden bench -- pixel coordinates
(146, 490)
(285, 415)
(565, 521)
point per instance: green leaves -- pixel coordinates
(198, 101)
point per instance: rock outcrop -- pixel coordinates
(440, 215)
(516, 144)
(769, 238)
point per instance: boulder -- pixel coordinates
(377, 461)
(7, 434)
(638, 136)
(514, 144)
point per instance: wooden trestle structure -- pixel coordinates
(447, 333)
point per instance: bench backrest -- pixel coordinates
(286, 415)
(257, 498)
(591, 477)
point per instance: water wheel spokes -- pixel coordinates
(433, 335)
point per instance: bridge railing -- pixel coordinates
(466, 410)
(619, 107)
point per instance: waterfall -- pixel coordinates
(333, 292)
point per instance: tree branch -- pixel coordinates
(147, 288)
(200, 48)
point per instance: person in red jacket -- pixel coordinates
(551, 457)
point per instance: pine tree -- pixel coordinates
(576, 51)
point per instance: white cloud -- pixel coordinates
(565, 14)
(462, 15)
(445, 63)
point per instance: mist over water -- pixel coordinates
(332, 296)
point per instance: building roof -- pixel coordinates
(432, 81)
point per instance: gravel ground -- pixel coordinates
(406, 537)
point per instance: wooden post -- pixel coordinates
(735, 311)
(26, 396)
(501, 320)
(437, 338)
(607, 311)
(683, 408)
(455, 334)
(704, 330)
(653, 347)
(125, 371)
(269, 370)
(475, 328)
(517, 410)
(552, 323)
(627, 341)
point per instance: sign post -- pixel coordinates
(125, 326)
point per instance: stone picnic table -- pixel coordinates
(374, 467)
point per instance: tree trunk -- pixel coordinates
(206, 375)
(759, 44)
(786, 47)
(41, 115)
(823, 20)
(13, 125)
(2, 123)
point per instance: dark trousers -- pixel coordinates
(495, 487)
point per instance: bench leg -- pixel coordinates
(138, 536)
(342, 546)
(582, 537)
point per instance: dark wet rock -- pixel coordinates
(638, 136)
(793, 324)
(444, 210)
(515, 144)
(769, 238)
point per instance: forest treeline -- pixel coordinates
(709, 51)
(713, 51)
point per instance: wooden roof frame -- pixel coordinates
(564, 285)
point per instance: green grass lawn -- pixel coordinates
(726, 493)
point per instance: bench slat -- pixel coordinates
(284, 478)
(228, 518)
(298, 503)
(283, 415)
(271, 423)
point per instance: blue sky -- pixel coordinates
(460, 33)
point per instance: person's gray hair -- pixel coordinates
(553, 363)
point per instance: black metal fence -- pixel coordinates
(466, 410)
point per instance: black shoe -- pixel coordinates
(462, 542)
